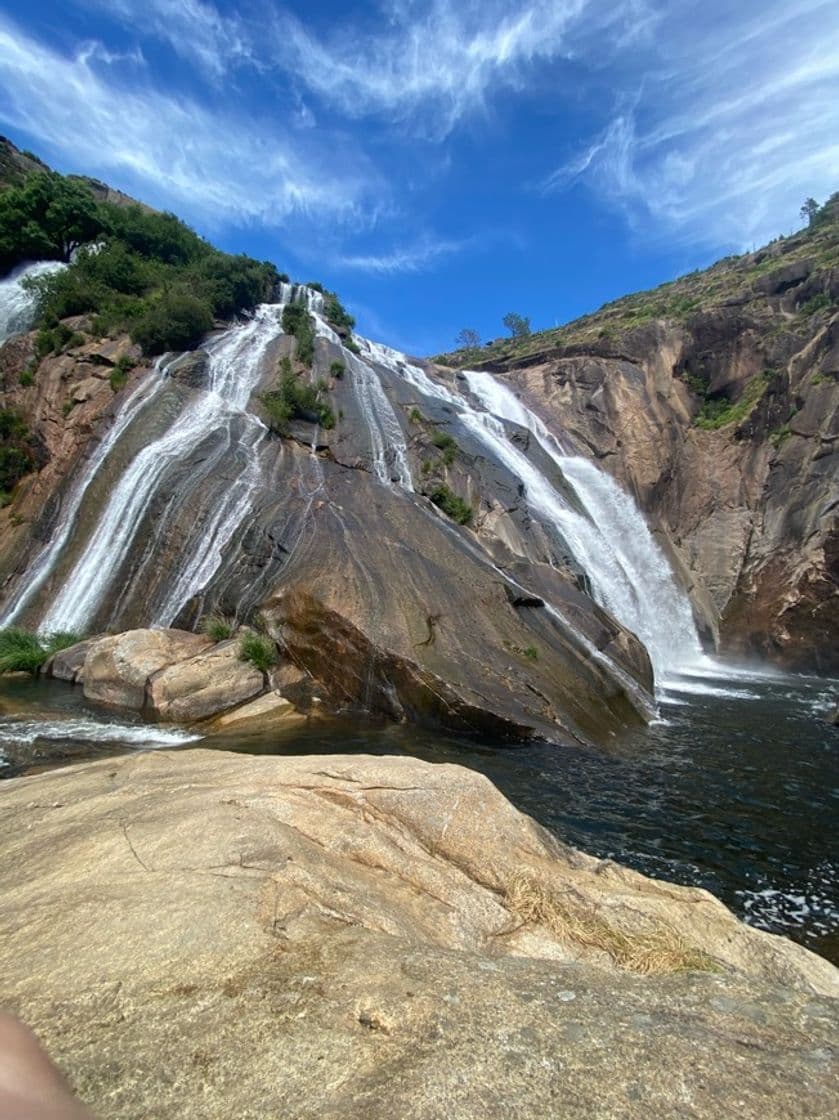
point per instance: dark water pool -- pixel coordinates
(734, 789)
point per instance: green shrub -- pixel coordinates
(336, 314)
(531, 653)
(415, 416)
(259, 650)
(819, 302)
(175, 321)
(447, 445)
(718, 412)
(27, 377)
(60, 639)
(338, 369)
(119, 374)
(298, 322)
(17, 453)
(351, 345)
(453, 506)
(21, 651)
(217, 627)
(295, 400)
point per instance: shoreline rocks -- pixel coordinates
(206, 934)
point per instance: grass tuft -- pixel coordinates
(217, 627)
(260, 651)
(660, 951)
(21, 651)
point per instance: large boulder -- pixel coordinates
(202, 686)
(117, 669)
(201, 934)
(68, 664)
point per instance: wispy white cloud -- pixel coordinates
(219, 166)
(196, 30)
(426, 63)
(416, 257)
(737, 119)
(431, 62)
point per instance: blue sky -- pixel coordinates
(440, 164)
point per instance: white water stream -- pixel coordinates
(17, 306)
(234, 369)
(607, 534)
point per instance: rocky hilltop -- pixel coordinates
(202, 934)
(714, 401)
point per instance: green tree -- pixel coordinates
(47, 217)
(809, 210)
(517, 325)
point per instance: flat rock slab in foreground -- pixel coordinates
(198, 934)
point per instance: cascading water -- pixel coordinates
(17, 306)
(44, 564)
(234, 369)
(611, 540)
(607, 535)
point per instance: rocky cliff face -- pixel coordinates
(714, 401)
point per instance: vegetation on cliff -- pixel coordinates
(132, 269)
(295, 399)
(731, 281)
(17, 452)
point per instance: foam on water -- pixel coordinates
(93, 731)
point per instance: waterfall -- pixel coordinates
(607, 534)
(611, 540)
(234, 370)
(17, 306)
(42, 567)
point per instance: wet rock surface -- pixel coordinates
(201, 934)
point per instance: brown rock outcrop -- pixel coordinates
(117, 669)
(205, 934)
(202, 686)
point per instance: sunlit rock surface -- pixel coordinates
(201, 934)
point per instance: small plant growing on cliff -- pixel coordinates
(454, 507)
(217, 627)
(447, 445)
(119, 374)
(531, 653)
(337, 369)
(27, 377)
(260, 651)
(415, 416)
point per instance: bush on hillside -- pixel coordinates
(298, 322)
(176, 321)
(17, 454)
